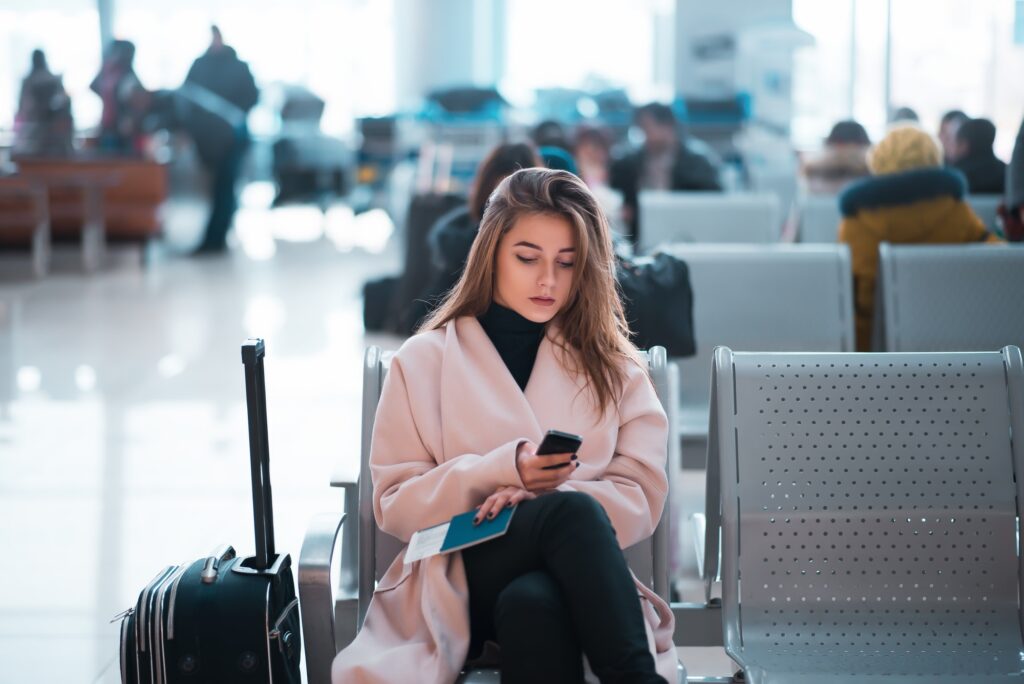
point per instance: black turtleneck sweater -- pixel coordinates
(517, 340)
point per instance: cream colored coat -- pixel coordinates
(448, 423)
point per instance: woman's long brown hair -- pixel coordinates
(592, 323)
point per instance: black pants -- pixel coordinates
(224, 195)
(554, 587)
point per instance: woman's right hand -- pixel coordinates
(540, 473)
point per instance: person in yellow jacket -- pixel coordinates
(909, 199)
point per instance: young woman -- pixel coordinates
(531, 338)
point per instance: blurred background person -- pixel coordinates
(553, 145)
(663, 162)
(43, 125)
(1012, 211)
(222, 91)
(124, 100)
(948, 126)
(909, 199)
(451, 237)
(974, 157)
(592, 151)
(904, 115)
(844, 158)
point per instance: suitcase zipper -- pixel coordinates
(127, 612)
(276, 632)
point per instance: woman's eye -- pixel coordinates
(566, 264)
(526, 260)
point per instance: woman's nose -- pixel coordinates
(547, 275)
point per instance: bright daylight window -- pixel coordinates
(958, 54)
(581, 44)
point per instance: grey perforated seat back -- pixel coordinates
(950, 297)
(377, 550)
(762, 298)
(869, 515)
(671, 217)
(820, 218)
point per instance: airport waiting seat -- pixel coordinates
(819, 218)
(869, 515)
(761, 298)
(949, 297)
(986, 207)
(671, 217)
(132, 200)
(331, 619)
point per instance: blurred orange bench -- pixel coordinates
(132, 199)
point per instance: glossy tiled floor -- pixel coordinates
(123, 439)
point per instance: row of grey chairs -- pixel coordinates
(876, 497)
(800, 298)
(820, 215)
(751, 217)
(366, 553)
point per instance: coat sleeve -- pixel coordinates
(411, 490)
(633, 487)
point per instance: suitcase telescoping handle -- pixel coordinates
(253, 351)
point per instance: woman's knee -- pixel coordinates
(580, 508)
(528, 596)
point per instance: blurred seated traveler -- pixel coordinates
(532, 338)
(451, 238)
(843, 159)
(43, 125)
(124, 100)
(904, 115)
(1013, 210)
(664, 162)
(948, 126)
(550, 133)
(910, 199)
(974, 157)
(553, 146)
(592, 151)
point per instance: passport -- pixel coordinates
(456, 534)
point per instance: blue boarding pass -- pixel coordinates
(458, 533)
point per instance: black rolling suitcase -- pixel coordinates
(222, 618)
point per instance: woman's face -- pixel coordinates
(534, 268)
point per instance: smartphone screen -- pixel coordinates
(557, 442)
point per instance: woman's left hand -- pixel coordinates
(505, 496)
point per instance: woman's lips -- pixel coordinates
(542, 301)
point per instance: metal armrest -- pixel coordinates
(712, 495)
(316, 597)
(699, 523)
(349, 580)
(346, 602)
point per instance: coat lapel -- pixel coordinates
(482, 407)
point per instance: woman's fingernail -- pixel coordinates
(509, 504)
(574, 457)
(577, 464)
(476, 521)
(490, 516)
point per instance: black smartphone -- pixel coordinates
(558, 442)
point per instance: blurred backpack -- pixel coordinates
(658, 302)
